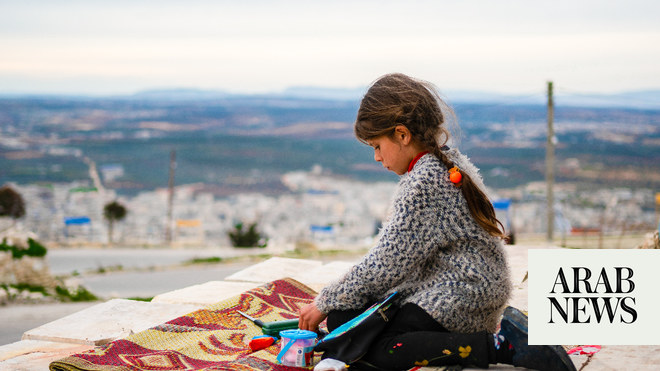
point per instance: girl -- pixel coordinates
(441, 249)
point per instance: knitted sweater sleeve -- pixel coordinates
(405, 242)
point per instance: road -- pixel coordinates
(16, 319)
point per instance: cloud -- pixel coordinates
(264, 45)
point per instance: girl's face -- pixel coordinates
(392, 153)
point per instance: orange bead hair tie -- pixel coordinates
(455, 176)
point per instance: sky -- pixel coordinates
(508, 46)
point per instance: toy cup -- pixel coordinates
(297, 348)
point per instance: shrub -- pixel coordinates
(249, 238)
(79, 294)
(34, 249)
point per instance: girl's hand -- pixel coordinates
(310, 317)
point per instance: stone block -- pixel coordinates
(319, 277)
(517, 259)
(108, 321)
(205, 294)
(36, 355)
(516, 256)
(274, 269)
(625, 357)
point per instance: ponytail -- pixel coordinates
(480, 207)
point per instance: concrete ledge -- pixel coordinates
(274, 269)
(24, 347)
(320, 277)
(32, 355)
(204, 294)
(625, 357)
(108, 321)
(517, 256)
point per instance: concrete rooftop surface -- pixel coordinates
(118, 318)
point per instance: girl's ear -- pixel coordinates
(402, 134)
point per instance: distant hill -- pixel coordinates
(642, 99)
(647, 99)
(354, 94)
(179, 94)
(242, 142)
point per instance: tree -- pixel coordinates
(249, 238)
(11, 203)
(113, 211)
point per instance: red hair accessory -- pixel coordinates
(455, 176)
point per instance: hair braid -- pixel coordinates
(480, 206)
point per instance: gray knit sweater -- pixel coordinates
(433, 253)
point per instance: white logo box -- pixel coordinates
(628, 280)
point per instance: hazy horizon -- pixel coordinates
(634, 99)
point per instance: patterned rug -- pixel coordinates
(214, 338)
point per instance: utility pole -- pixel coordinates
(657, 209)
(550, 165)
(170, 200)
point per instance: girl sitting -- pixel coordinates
(441, 249)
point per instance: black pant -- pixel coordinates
(414, 338)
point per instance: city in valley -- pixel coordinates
(291, 167)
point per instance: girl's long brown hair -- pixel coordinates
(397, 99)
